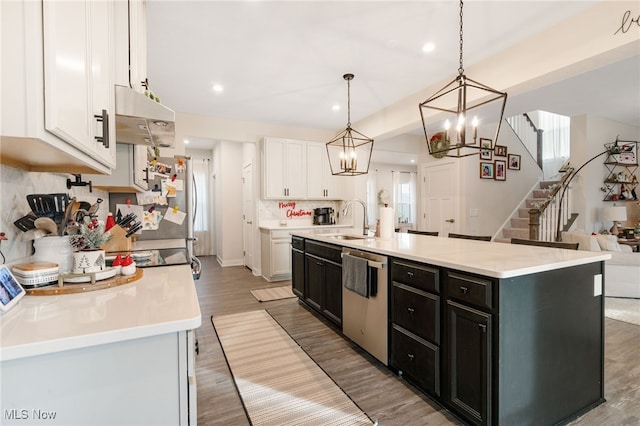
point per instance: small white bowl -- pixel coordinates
(129, 269)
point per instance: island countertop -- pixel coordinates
(163, 301)
(491, 259)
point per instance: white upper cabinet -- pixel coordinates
(57, 79)
(131, 174)
(284, 169)
(131, 44)
(321, 184)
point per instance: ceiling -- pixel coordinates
(282, 62)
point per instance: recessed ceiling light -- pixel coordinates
(218, 88)
(413, 161)
(428, 47)
(336, 107)
(186, 141)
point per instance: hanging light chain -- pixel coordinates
(349, 101)
(461, 69)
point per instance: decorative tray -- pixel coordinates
(69, 288)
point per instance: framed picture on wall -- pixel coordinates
(513, 162)
(486, 153)
(500, 170)
(500, 150)
(486, 170)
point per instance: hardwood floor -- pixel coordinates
(371, 385)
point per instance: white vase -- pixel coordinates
(92, 260)
(55, 249)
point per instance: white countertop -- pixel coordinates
(492, 259)
(163, 301)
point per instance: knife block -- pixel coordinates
(118, 241)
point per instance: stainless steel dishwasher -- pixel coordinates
(364, 319)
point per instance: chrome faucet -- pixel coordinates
(345, 210)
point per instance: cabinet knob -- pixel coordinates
(410, 274)
(411, 310)
(464, 290)
(411, 357)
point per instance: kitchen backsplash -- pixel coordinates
(16, 184)
(294, 212)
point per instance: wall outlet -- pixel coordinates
(597, 285)
(474, 212)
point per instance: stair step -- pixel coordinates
(532, 202)
(548, 183)
(515, 233)
(522, 212)
(542, 193)
(520, 222)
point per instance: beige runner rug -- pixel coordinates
(275, 293)
(621, 309)
(278, 383)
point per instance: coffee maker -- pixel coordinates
(323, 216)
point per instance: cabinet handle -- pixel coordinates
(319, 263)
(483, 327)
(411, 310)
(410, 274)
(464, 290)
(411, 357)
(104, 119)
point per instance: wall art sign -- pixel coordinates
(628, 21)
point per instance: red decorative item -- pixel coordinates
(127, 260)
(110, 222)
(117, 261)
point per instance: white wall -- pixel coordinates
(588, 136)
(495, 200)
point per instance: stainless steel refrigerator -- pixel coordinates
(168, 234)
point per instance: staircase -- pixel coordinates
(518, 226)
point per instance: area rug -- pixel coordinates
(621, 309)
(279, 384)
(275, 293)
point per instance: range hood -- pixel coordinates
(142, 121)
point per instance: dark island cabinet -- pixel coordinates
(415, 328)
(323, 279)
(297, 266)
(469, 362)
(509, 350)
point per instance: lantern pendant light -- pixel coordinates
(350, 151)
(451, 116)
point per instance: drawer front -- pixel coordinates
(416, 311)
(280, 233)
(419, 276)
(297, 243)
(418, 360)
(325, 251)
(466, 288)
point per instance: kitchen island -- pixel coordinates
(497, 333)
(123, 355)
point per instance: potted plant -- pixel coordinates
(86, 242)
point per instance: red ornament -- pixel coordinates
(117, 261)
(127, 260)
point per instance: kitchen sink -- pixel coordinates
(349, 237)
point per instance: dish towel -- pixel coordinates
(355, 274)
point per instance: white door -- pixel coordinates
(440, 191)
(247, 215)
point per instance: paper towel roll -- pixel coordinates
(387, 222)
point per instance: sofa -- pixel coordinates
(622, 271)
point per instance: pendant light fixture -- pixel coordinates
(350, 151)
(452, 115)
